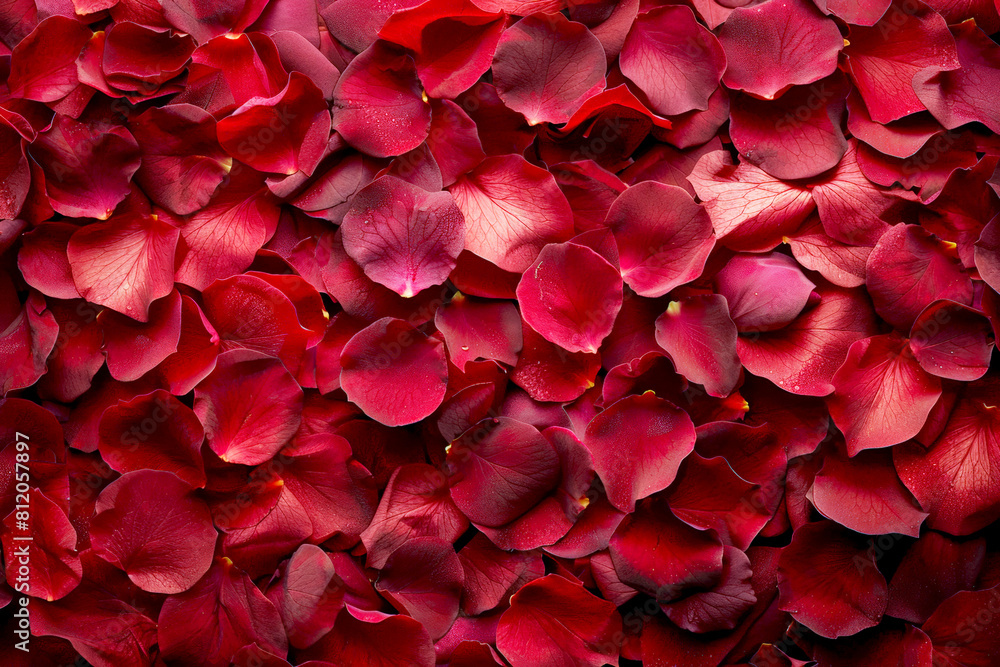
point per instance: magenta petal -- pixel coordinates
(764, 292)
(87, 169)
(512, 209)
(664, 238)
(155, 432)
(987, 253)
(403, 236)
(956, 478)
(879, 377)
(638, 444)
(424, 578)
(722, 607)
(700, 338)
(43, 261)
(394, 372)
(571, 296)
(775, 45)
(884, 58)
(908, 269)
(15, 170)
(546, 67)
(282, 134)
(673, 59)
(500, 470)
(124, 264)
(840, 263)
(952, 341)
(553, 621)
(220, 614)
(250, 407)
(151, 524)
(377, 103)
(829, 583)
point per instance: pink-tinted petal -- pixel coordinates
(249, 407)
(956, 478)
(673, 59)
(308, 595)
(556, 622)
(750, 210)
(125, 263)
(394, 372)
(778, 44)
(884, 58)
(764, 292)
(512, 209)
(638, 444)
(701, 338)
(841, 264)
(403, 236)
(43, 262)
(220, 614)
(151, 524)
(664, 237)
(377, 103)
(546, 66)
(571, 295)
(829, 583)
(987, 253)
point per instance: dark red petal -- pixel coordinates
(394, 372)
(884, 58)
(416, 503)
(722, 607)
(491, 575)
(223, 612)
(377, 103)
(249, 407)
(124, 264)
(664, 237)
(908, 269)
(956, 566)
(423, 578)
(204, 20)
(795, 136)
(140, 59)
(952, 341)
(700, 338)
(638, 444)
(803, 357)
(773, 46)
(403, 236)
(550, 373)
(674, 60)
(77, 355)
(554, 621)
(43, 261)
(453, 141)
(545, 67)
(43, 64)
(882, 396)
(988, 253)
(476, 329)
(829, 583)
(374, 639)
(87, 169)
(964, 629)
(134, 348)
(308, 595)
(501, 469)
(48, 559)
(571, 296)
(155, 432)
(151, 524)
(512, 209)
(956, 478)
